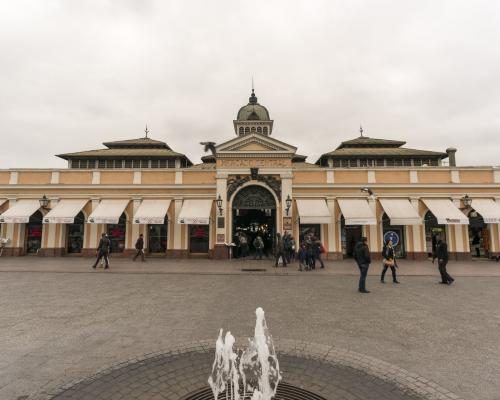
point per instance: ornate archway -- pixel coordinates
(254, 197)
(254, 213)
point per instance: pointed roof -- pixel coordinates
(143, 142)
(365, 141)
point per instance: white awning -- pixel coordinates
(446, 212)
(152, 212)
(489, 209)
(195, 212)
(313, 211)
(108, 212)
(357, 212)
(401, 212)
(20, 212)
(65, 211)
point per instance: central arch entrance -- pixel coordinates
(254, 213)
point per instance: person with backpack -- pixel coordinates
(389, 258)
(103, 251)
(361, 254)
(139, 246)
(442, 257)
(258, 243)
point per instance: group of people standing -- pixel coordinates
(362, 257)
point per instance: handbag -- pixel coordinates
(389, 263)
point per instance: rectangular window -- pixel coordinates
(417, 162)
(407, 162)
(155, 163)
(390, 162)
(380, 162)
(336, 163)
(398, 163)
(128, 163)
(363, 163)
(353, 163)
(136, 163)
(144, 163)
(434, 162)
(170, 163)
(101, 164)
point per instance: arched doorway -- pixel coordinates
(349, 236)
(432, 230)
(479, 236)
(116, 234)
(254, 213)
(34, 233)
(396, 233)
(74, 234)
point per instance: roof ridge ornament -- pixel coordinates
(361, 130)
(146, 131)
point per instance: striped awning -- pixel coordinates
(357, 212)
(401, 212)
(108, 211)
(20, 212)
(65, 211)
(195, 212)
(152, 212)
(489, 209)
(313, 211)
(446, 212)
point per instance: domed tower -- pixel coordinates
(253, 118)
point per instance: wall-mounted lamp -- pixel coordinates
(219, 204)
(288, 202)
(44, 202)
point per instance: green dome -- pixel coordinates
(253, 111)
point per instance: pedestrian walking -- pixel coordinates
(389, 261)
(302, 255)
(243, 245)
(258, 244)
(318, 250)
(139, 246)
(280, 250)
(361, 254)
(102, 251)
(442, 257)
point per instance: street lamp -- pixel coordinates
(219, 204)
(288, 202)
(44, 202)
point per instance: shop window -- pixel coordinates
(313, 230)
(433, 230)
(116, 234)
(34, 230)
(350, 235)
(74, 234)
(198, 238)
(396, 233)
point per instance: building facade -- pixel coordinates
(256, 184)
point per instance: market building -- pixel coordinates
(252, 183)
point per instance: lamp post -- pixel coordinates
(288, 202)
(44, 202)
(219, 204)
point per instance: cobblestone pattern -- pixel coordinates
(333, 373)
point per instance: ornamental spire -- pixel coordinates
(146, 131)
(253, 98)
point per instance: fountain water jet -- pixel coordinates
(257, 367)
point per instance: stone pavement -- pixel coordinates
(58, 328)
(238, 266)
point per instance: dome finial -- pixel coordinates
(361, 130)
(253, 98)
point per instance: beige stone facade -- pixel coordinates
(238, 167)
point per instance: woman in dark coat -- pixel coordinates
(389, 261)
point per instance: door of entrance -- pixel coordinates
(350, 235)
(254, 213)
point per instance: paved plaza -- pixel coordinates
(61, 322)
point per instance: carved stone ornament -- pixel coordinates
(254, 197)
(235, 183)
(271, 181)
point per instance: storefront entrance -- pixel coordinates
(74, 232)
(479, 236)
(254, 213)
(396, 233)
(157, 238)
(432, 231)
(350, 235)
(34, 233)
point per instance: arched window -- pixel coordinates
(241, 131)
(265, 130)
(116, 234)
(259, 129)
(253, 129)
(247, 130)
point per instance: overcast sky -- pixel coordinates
(76, 73)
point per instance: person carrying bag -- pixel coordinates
(389, 261)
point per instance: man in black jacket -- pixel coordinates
(361, 254)
(102, 251)
(442, 256)
(139, 246)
